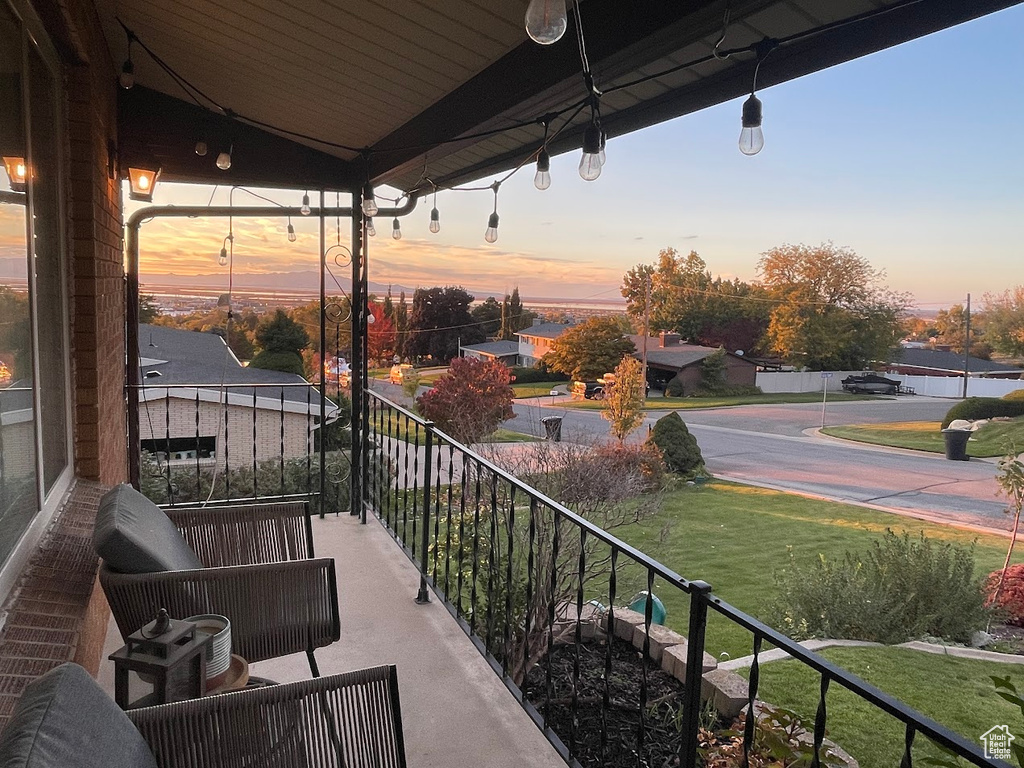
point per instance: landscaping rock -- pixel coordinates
(673, 661)
(591, 622)
(980, 639)
(625, 622)
(726, 691)
(834, 754)
(661, 638)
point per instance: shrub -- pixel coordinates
(901, 589)
(1011, 597)
(678, 447)
(741, 390)
(974, 408)
(535, 374)
(1017, 395)
(674, 389)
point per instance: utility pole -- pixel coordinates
(967, 343)
(647, 331)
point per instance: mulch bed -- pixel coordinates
(621, 721)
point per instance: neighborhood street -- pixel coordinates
(774, 445)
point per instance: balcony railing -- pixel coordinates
(520, 573)
(206, 441)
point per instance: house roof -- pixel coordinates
(416, 80)
(501, 348)
(545, 330)
(177, 358)
(945, 361)
(676, 356)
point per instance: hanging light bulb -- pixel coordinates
(491, 235)
(396, 229)
(292, 237)
(201, 148)
(435, 221)
(371, 231)
(224, 158)
(127, 76)
(751, 137)
(542, 179)
(590, 163)
(305, 209)
(369, 201)
(546, 21)
(223, 258)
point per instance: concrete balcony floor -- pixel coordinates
(455, 710)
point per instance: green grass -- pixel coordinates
(955, 692)
(537, 388)
(735, 537)
(398, 426)
(502, 435)
(684, 403)
(991, 440)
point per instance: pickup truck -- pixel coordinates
(871, 383)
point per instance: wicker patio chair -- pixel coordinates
(258, 570)
(350, 720)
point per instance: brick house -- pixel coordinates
(669, 360)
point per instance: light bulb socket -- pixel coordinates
(492, 221)
(752, 112)
(435, 215)
(396, 229)
(592, 140)
(543, 161)
(127, 76)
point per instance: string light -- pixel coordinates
(127, 76)
(590, 163)
(546, 21)
(201, 148)
(751, 136)
(305, 209)
(491, 235)
(224, 158)
(396, 229)
(292, 237)
(223, 258)
(435, 216)
(542, 179)
(371, 231)
(369, 201)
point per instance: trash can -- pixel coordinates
(553, 428)
(956, 444)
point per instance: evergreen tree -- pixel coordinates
(515, 312)
(401, 325)
(389, 306)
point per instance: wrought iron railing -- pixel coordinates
(241, 442)
(519, 572)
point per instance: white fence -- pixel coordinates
(929, 386)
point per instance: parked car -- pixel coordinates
(871, 383)
(589, 390)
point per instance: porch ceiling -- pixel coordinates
(408, 78)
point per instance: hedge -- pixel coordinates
(974, 408)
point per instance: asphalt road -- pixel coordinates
(772, 445)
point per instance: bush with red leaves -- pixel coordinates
(471, 400)
(1011, 596)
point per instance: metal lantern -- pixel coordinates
(168, 658)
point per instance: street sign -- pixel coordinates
(825, 375)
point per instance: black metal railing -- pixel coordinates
(207, 441)
(523, 576)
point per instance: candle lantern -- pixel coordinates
(162, 662)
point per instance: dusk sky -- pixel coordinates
(912, 157)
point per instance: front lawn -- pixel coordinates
(735, 537)
(537, 388)
(958, 693)
(991, 440)
(685, 403)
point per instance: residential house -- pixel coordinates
(915, 361)
(502, 350)
(670, 360)
(321, 98)
(199, 404)
(535, 341)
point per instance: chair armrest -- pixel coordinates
(352, 719)
(275, 609)
(242, 534)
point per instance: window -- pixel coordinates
(34, 383)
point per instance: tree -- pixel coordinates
(401, 326)
(832, 311)
(590, 349)
(380, 335)
(678, 447)
(471, 400)
(624, 402)
(1010, 477)
(281, 341)
(1004, 313)
(439, 320)
(712, 372)
(488, 316)
(389, 306)
(149, 310)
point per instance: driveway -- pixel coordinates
(774, 446)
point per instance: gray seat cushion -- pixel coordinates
(133, 535)
(65, 720)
